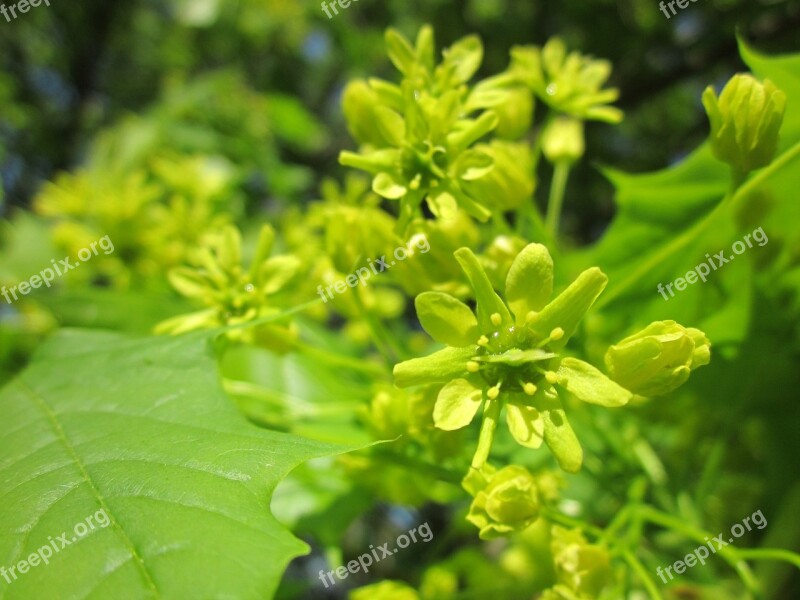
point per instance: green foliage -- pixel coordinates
(205, 195)
(141, 429)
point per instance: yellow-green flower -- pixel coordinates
(570, 83)
(232, 294)
(417, 137)
(510, 354)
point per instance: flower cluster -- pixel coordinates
(418, 138)
(570, 83)
(510, 354)
(232, 294)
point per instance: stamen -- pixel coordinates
(496, 319)
(472, 366)
(551, 377)
(555, 335)
(493, 392)
(529, 388)
(483, 340)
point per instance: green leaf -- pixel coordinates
(140, 430)
(589, 384)
(784, 72)
(529, 283)
(446, 319)
(456, 405)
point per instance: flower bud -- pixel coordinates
(745, 121)
(562, 140)
(515, 114)
(511, 182)
(582, 568)
(658, 359)
(509, 501)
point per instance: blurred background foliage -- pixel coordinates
(258, 81)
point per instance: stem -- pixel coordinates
(557, 189)
(571, 522)
(761, 176)
(435, 471)
(730, 555)
(491, 414)
(378, 333)
(644, 576)
(340, 360)
(770, 554)
(408, 208)
(734, 196)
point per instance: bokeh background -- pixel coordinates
(259, 80)
(256, 85)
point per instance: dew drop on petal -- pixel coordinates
(552, 89)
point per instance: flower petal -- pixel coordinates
(446, 319)
(558, 434)
(567, 310)
(189, 282)
(277, 271)
(456, 405)
(390, 125)
(439, 367)
(488, 301)
(525, 424)
(474, 164)
(530, 281)
(589, 384)
(388, 186)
